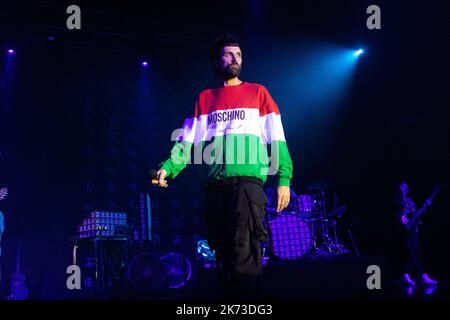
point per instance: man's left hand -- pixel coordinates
(284, 196)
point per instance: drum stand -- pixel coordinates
(331, 245)
(325, 234)
(316, 250)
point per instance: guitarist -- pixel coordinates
(3, 193)
(410, 233)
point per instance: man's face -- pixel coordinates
(230, 62)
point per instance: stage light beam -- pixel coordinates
(11, 51)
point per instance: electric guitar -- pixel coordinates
(18, 290)
(415, 219)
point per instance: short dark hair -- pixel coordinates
(226, 39)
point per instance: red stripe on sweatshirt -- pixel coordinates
(245, 95)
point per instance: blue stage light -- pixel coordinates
(358, 52)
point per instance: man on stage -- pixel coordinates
(232, 126)
(406, 209)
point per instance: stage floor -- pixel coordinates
(343, 278)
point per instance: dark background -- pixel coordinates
(82, 122)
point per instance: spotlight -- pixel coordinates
(50, 38)
(144, 64)
(11, 51)
(358, 52)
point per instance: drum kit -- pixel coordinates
(307, 228)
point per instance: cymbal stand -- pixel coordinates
(324, 219)
(338, 246)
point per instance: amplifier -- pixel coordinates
(104, 225)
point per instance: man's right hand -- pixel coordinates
(162, 178)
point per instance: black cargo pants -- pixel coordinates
(235, 211)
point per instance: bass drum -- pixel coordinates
(291, 236)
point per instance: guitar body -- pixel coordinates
(412, 225)
(18, 289)
(415, 220)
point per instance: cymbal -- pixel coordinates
(339, 212)
(321, 184)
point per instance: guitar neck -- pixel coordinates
(415, 218)
(3, 193)
(418, 213)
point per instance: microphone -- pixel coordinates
(153, 174)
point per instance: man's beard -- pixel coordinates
(231, 71)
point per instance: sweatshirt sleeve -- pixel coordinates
(273, 135)
(184, 138)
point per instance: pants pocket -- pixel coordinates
(257, 203)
